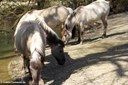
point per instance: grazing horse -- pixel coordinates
(30, 40)
(85, 15)
(54, 16)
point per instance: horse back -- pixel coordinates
(55, 15)
(28, 37)
(92, 12)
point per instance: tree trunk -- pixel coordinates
(74, 4)
(40, 4)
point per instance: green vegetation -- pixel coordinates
(6, 55)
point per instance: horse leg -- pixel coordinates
(74, 32)
(25, 63)
(35, 69)
(104, 21)
(29, 70)
(15, 49)
(81, 33)
(79, 39)
(35, 76)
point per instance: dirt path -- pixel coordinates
(96, 62)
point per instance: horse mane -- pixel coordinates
(70, 16)
(52, 37)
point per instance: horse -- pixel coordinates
(30, 40)
(54, 16)
(85, 15)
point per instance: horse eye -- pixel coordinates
(66, 26)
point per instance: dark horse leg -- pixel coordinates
(74, 32)
(25, 63)
(104, 20)
(28, 66)
(77, 28)
(79, 39)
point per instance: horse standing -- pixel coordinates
(54, 16)
(85, 15)
(30, 40)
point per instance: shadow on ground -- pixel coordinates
(74, 42)
(53, 74)
(58, 74)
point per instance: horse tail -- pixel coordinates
(37, 45)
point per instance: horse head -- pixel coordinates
(54, 41)
(58, 52)
(66, 35)
(68, 27)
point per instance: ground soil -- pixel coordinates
(96, 62)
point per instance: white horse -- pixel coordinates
(30, 40)
(54, 16)
(85, 15)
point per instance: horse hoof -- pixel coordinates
(81, 43)
(15, 50)
(104, 36)
(78, 42)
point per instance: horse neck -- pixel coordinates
(52, 37)
(72, 24)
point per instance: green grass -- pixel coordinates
(6, 55)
